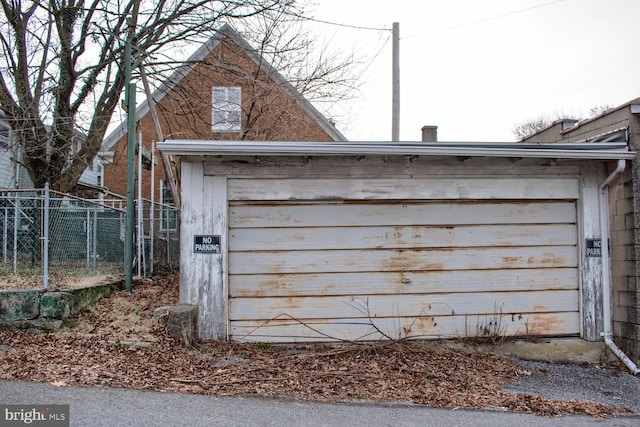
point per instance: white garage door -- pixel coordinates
(318, 271)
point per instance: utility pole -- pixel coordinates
(395, 115)
(130, 103)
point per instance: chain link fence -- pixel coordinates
(157, 238)
(50, 239)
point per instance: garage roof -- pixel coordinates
(593, 151)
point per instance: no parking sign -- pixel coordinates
(206, 244)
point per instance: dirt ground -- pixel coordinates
(118, 344)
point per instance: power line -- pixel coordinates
(480, 21)
(356, 27)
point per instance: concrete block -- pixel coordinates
(56, 305)
(618, 282)
(620, 314)
(627, 187)
(618, 223)
(180, 321)
(623, 268)
(623, 237)
(555, 350)
(617, 254)
(624, 206)
(19, 305)
(63, 304)
(629, 221)
(624, 299)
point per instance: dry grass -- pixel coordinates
(129, 316)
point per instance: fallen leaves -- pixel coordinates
(102, 350)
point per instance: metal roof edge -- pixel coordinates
(604, 151)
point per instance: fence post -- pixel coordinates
(5, 235)
(88, 242)
(153, 205)
(95, 241)
(16, 221)
(166, 215)
(45, 243)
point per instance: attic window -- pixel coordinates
(226, 109)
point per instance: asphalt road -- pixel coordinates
(95, 406)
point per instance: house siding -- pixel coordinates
(8, 163)
(7, 168)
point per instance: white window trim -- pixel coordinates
(230, 109)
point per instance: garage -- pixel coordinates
(353, 271)
(353, 241)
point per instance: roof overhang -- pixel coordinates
(587, 151)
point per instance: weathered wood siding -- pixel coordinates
(590, 267)
(202, 276)
(401, 251)
(363, 247)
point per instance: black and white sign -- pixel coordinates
(206, 244)
(594, 247)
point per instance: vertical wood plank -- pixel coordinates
(590, 267)
(192, 185)
(216, 224)
(202, 281)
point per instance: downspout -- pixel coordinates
(606, 267)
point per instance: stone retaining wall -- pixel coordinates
(21, 305)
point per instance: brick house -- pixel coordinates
(224, 91)
(621, 123)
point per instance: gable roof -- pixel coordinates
(225, 33)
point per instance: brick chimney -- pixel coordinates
(429, 133)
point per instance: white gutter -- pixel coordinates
(606, 269)
(278, 148)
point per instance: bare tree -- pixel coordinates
(276, 60)
(62, 68)
(529, 127)
(323, 75)
(596, 110)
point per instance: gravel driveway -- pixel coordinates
(564, 381)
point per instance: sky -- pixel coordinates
(476, 69)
